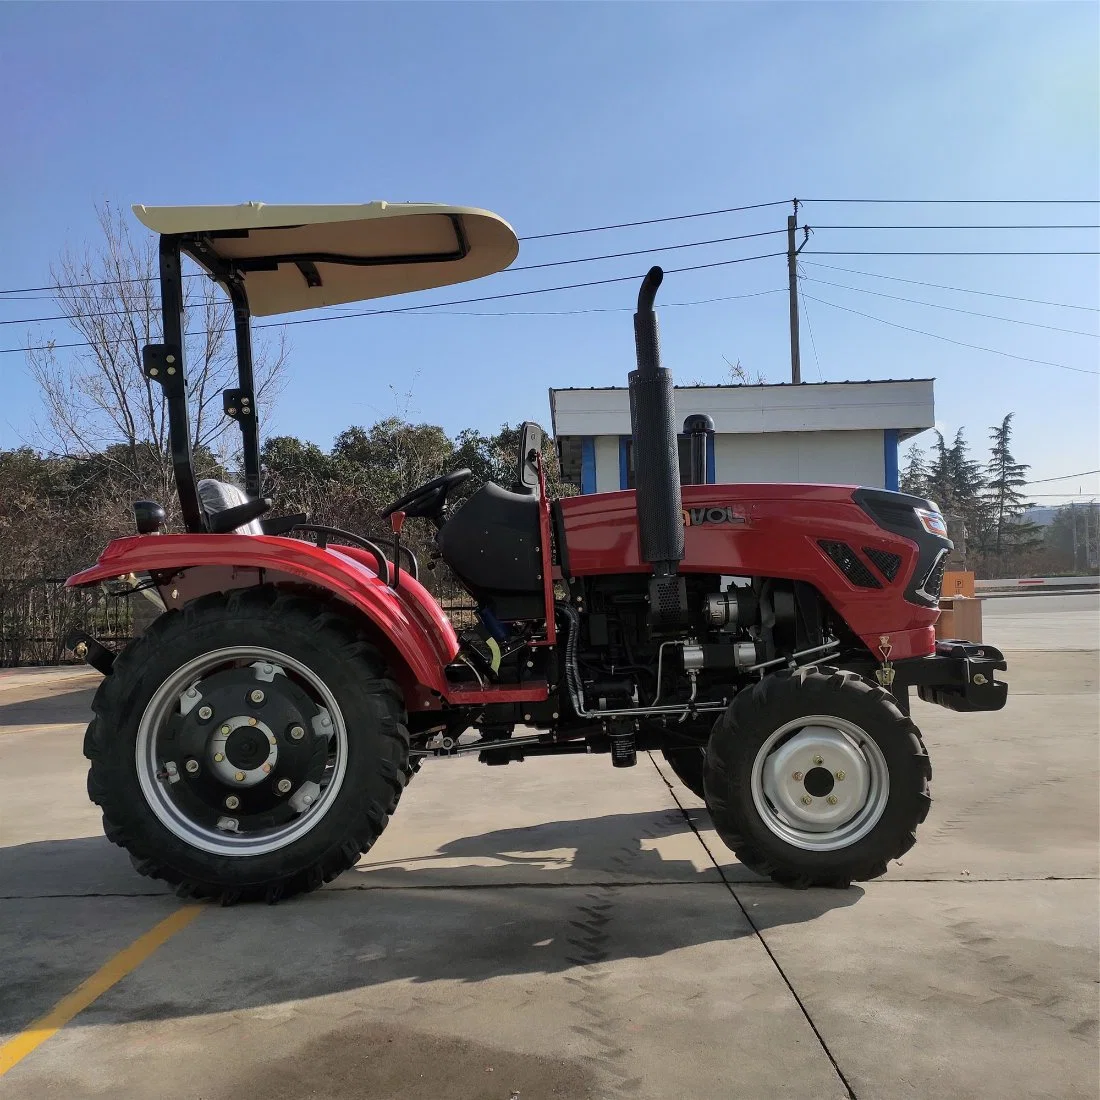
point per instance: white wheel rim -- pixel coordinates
(158, 790)
(820, 783)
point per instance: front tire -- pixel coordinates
(687, 765)
(248, 746)
(815, 778)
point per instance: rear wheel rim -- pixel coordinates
(173, 800)
(820, 783)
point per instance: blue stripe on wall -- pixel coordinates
(890, 457)
(710, 460)
(588, 464)
(624, 462)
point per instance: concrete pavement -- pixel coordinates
(557, 929)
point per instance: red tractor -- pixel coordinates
(256, 739)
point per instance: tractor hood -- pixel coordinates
(291, 258)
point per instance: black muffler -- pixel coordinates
(657, 465)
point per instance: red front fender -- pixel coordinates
(407, 618)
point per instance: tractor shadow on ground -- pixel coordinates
(414, 928)
(68, 706)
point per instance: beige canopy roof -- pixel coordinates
(301, 257)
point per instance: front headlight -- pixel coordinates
(932, 522)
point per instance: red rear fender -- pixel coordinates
(407, 620)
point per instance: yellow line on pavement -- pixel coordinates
(112, 971)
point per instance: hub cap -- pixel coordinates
(241, 751)
(820, 783)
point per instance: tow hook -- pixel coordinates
(90, 651)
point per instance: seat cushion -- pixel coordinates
(218, 496)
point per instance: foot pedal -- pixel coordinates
(483, 651)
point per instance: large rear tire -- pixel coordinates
(248, 746)
(815, 778)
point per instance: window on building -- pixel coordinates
(683, 446)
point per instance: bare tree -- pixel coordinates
(97, 400)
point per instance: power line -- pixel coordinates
(49, 290)
(810, 328)
(438, 305)
(1063, 477)
(949, 340)
(955, 227)
(958, 289)
(94, 282)
(602, 309)
(955, 309)
(654, 221)
(529, 267)
(834, 252)
(966, 202)
(644, 251)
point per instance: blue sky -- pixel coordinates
(560, 116)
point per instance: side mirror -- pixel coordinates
(531, 440)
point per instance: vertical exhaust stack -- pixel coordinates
(657, 465)
(699, 428)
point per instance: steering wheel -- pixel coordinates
(429, 498)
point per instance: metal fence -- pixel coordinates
(37, 613)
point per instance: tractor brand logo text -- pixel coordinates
(717, 515)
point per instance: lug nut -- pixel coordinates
(797, 776)
(283, 786)
(326, 721)
(840, 775)
(205, 713)
(218, 758)
(817, 760)
(232, 802)
(806, 800)
(831, 800)
(252, 721)
(192, 767)
(256, 696)
(266, 769)
(226, 730)
(239, 777)
(297, 732)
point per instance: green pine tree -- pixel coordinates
(914, 478)
(1005, 498)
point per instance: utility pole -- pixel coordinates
(792, 280)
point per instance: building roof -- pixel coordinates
(756, 385)
(904, 405)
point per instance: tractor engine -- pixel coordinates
(735, 629)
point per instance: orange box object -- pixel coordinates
(958, 583)
(960, 619)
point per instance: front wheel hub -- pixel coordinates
(820, 783)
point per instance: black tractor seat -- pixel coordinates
(492, 545)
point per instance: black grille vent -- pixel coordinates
(886, 563)
(933, 583)
(849, 564)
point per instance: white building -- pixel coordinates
(831, 432)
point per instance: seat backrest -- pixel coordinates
(217, 496)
